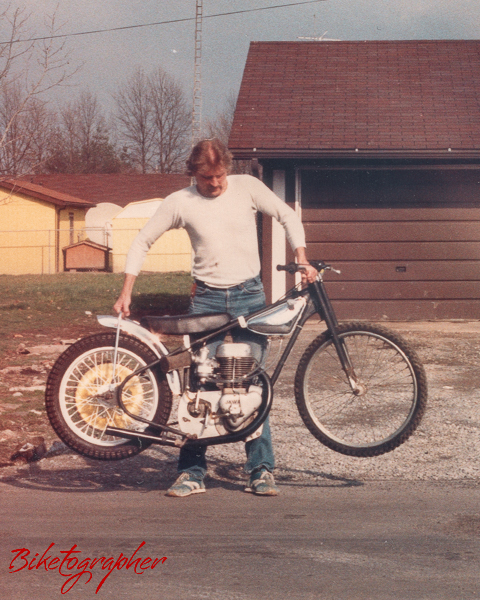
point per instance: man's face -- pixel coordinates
(211, 183)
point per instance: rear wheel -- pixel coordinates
(80, 398)
(386, 407)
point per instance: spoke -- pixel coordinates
(89, 408)
(387, 383)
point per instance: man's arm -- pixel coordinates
(162, 220)
(122, 305)
(309, 273)
(269, 203)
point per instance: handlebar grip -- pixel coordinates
(318, 264)
(290, 268)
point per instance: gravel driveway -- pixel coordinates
(446, 446)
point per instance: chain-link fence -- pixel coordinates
(35, 251)
(41, 251)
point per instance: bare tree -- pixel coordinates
(41, 123)
(171, 122)
(27, 132)
(13, 22)
(81, 143)
(27, 71)
(15, 126)
(154, 121)
(134, 114)
(220, 127)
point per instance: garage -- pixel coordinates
(407, 241)
(377, 147)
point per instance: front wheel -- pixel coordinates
(384, 409)
(80, 398)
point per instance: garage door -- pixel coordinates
(407, 241)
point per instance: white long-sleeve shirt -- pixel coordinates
(222, 230)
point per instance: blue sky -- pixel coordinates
(108, 58)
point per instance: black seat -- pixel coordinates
(185, 324)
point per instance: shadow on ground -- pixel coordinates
(159, 305)
(148, 473)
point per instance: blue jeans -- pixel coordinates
(239, 300)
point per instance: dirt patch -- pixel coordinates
(24, 368)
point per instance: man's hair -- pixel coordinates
(209, 154)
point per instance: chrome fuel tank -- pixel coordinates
(279, 320)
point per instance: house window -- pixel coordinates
(389, 188)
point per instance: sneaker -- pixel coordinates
(262, 483)
(185, 485)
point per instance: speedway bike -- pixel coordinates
(360, 388)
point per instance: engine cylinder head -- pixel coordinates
(236, 362)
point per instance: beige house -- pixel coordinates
(172, 252)
(35, 224)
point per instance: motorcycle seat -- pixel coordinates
(185, 324)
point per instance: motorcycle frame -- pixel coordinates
(317, 302)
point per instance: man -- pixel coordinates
(218, 214)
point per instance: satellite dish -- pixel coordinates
(98, 222)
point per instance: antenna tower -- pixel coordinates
(197, 76)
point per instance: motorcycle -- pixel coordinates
(360, 388)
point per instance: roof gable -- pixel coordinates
(306, 98)
(42, 193)
(117, 188)
(89, 243)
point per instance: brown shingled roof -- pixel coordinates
(43, 193)
(118, 188)
(374, 97)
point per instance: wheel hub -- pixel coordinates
(359, 389)
(106, 400)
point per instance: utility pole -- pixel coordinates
(197, 76)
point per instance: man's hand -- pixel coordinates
(122, 305)
(309, 273)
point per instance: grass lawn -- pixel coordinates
(62, 303)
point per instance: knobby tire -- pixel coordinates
(79, 406)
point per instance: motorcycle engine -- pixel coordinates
(239, 399)
(233, 404)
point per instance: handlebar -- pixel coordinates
(317, 264)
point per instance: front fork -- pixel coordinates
(325, 310)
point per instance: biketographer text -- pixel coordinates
(73, 568)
